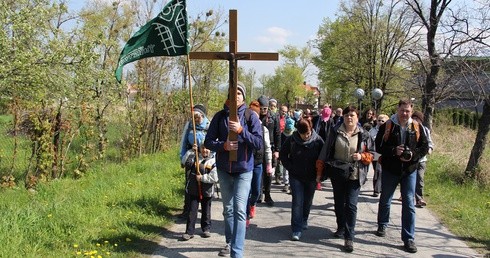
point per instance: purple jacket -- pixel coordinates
(249, 139)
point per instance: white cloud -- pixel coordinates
(274, 35)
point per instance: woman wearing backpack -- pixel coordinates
(347, 154)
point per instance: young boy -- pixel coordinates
(199, 187)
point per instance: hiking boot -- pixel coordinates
(225, 251)
(339, 233)
(186, 237)
(252, 211)
(295, 236)
(349, 246)
(410, 246)
(206, 234)
(381, 232)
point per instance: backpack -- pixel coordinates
(389, 129)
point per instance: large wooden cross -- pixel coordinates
(233, 56)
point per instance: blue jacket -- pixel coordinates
(249, 139)
(187, 139)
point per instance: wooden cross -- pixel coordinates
(233, 56)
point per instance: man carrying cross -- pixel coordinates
(235, 177)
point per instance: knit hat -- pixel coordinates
(200, 108)
(241, 87)
(272, 101)
(263, 101)
(326, 112)
(419, 115)
(289, 127)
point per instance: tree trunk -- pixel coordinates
(481, 139)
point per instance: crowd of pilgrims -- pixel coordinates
(298, 150)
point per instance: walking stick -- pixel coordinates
(194, 126)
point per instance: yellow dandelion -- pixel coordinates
(99, 256)
(115, 244)
(106, 242)
(108, 253)
(97, 244)
(128, 239)
(75, 246)
(50, 215)
(79, 253)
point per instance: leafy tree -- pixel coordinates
(363, 48)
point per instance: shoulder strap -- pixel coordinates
(359, 142)
(388, 127)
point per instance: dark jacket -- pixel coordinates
(299, 157)
(271, 121)
(389, 160)
(249, 139)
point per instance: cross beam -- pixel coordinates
(233, 56)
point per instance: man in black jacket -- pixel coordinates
(401, 142)
(271, 122)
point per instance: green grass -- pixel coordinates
(462, 205)
(116, 209)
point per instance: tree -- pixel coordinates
(476, 80)
(363, 48)
(448, 31)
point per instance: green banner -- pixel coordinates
(164, 35)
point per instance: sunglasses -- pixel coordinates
(382, 121)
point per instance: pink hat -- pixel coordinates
(326, 112)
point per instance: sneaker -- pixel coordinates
(420, 203)
(206, 234)
(349, 246)
(296, 236)
(252, 211)
(225, 251)
(381, 232)
(410, 247)
(339, 233)
(186, 237)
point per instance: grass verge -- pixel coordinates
(117, 210)
(462, 205)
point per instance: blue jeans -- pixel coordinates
(389, 182)
(255, 189)
(345, 196)
(303, 193)
(235, 189)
